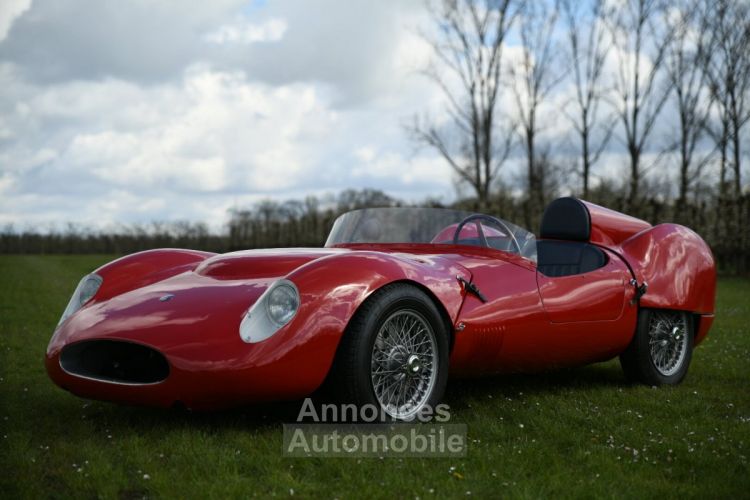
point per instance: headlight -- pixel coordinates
(274, 309)
(282, 303)
(85, 290)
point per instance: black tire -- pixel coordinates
(655, 329)
(351, 374)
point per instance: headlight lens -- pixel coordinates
(282, 303)
(84, 292)
(274, 309)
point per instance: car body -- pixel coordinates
(171, 326)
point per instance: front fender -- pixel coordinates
(333, 288)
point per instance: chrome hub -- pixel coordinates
(413, 365)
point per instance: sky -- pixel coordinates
(162, 110)
(157, 110)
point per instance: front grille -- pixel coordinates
(115, 361)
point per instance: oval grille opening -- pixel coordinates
(115, 361)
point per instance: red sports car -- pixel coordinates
(396, 299)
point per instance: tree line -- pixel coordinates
(295, 223)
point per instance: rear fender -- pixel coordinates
(676, 264)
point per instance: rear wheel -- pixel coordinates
(661, 349)
(394, 354)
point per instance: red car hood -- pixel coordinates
(252, 264)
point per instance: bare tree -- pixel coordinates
(718, 128)
(683, 64)
(639, 50)
(727, 67)
(588, 49)
(532, 80)
(468, 52)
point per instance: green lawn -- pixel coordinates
(574, 433)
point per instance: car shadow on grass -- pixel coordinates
(462, 391)
(460, 394)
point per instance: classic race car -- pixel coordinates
(396, 299)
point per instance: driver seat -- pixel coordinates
(563, 248)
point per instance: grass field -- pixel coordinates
(574, 433)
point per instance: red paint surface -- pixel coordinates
(677, 265)
(610, 228)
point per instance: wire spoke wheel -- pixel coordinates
(667, 341)
(404, 363)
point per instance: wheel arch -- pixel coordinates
(700, 323)
(444, 315)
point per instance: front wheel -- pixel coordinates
(394, 354)
(661, 349)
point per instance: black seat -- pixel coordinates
(563, 249)
(563, 258)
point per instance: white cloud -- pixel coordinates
(10, 10)
(244, 32)
(115, 150)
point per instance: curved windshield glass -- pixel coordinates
(430, 225)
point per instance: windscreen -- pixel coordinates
(430, 225)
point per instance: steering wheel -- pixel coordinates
(476, 219)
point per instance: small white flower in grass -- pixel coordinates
(291, 491)
(146, 477)
(520, 425)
